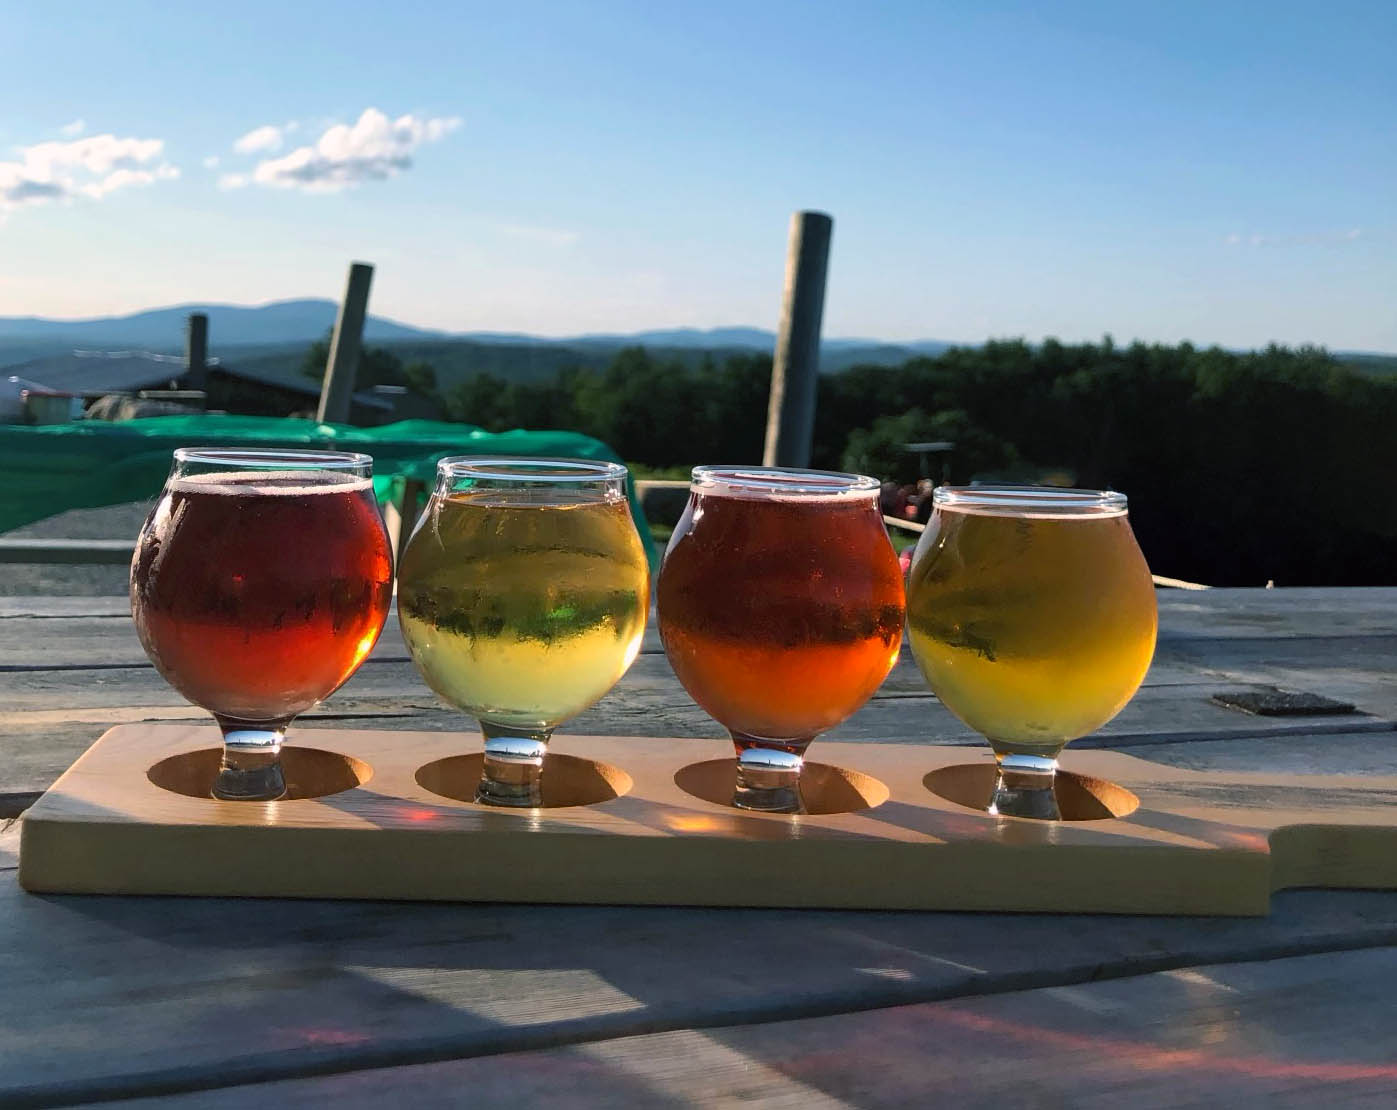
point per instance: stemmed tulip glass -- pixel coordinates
(1031, 613)
(260, 582)
(522, 596)
(781, 610)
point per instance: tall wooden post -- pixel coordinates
(790, 417)
(337, 389)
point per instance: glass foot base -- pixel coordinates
(263, 784)
(513, 772)
(251, 768)
(768, 780)
(1025, 787)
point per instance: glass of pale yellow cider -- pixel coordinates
(522, 596)
(1031, 612)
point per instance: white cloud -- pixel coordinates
(120, 179)
(545, 236)
(211, 162)
(374, 148)
(234, 181)
(90, 167)
(74, 129)
(260, 140)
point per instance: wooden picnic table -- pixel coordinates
(220, 1002)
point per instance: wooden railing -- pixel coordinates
(1159, 579)
(118, 552)
(67, 552)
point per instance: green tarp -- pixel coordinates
(48, 468)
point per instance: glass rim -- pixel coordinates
(523, 468)
(273, 458)
(778, 482)
(1037, 501)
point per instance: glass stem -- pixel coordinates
(1025, 787)
(251, 768)
(768, 776)
(512, 774)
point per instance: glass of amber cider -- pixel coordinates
(1031, 613)
(260, 582)
(780, 604)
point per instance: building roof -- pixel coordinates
(98, 372)
(101, 371)
(298, 383)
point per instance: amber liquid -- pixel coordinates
(780, 616)
(1032, 630)
(258, 594)
(523, 608)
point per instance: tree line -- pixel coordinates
(1241, 468)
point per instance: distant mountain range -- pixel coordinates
(302, 321)
(163, 328)
(276, 333)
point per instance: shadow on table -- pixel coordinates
(217, 991)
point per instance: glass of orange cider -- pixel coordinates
(1031, 613)
(780, 605)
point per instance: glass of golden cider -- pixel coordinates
(1031, 612)
(522, 596)
(780, 605)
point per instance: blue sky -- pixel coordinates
(1216, 171)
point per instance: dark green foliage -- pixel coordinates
(421, 378)
(656, 411)
(381, 366)
(1241, 468)
(1277, 464)
(882, 449)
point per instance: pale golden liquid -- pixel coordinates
(523, 613)
(1033, 631)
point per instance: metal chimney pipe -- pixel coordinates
(196, 350)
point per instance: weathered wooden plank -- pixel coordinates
(1187, 624)
(36, 605)
(1361, 670)
(49, 715)
(42, 641)
(388, 675)
(904, 709)
(1325, 753)
(1218, 613)
(22, 579)
(213, 990)
(32, 551)
(1290, 1033)
(1280, 613)
(49, 718)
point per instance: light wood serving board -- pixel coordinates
(1196, 843)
